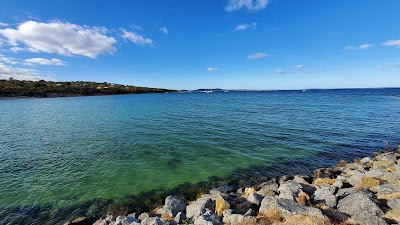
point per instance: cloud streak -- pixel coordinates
(163, 30)
(136, 38)
(21, 73)
(280, 71)
(45, 62)
(390, 43)
(246, 26)
(212, 69)
(258, 56)
(250, 5)
(60, 38)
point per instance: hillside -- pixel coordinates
(41, 89)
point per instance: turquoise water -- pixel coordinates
(61, 152)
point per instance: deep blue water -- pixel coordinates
(60, 152)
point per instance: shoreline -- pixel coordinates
(366, 191)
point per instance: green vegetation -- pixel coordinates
(41, 89)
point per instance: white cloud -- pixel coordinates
(8, 60)
(300, 66)
(392, 43)
(365, 46)
(163, 30)
(45, 62)
(258, 56)
(349, 48)
(280, 71)
(212, 69)
(3, 24)
(136, 38)
(21, 73)
(136, 27)
(251, 5)
(59, 38)
(243, 27)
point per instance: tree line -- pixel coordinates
(22, 88)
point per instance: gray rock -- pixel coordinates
(199, 207)
(386, 189)
(173, 205)
(394, 203)
(180, 217)
(154, 221)
(325, 195)
(287, 208)
(366, 161)
(235, 219)
(269, 185)
(286, 194)
(338, 184)
(361, 208)
(386, 157)
(207, 218)
(355, 178)
(255, 198)
(345, 191)
(300, 180)
(291, 186)
(375, 172)
(125, 220)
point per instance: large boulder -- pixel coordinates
(269, 188)
(255, 198)
(221, 204)
(387, 191)
(325, 195)
(207, 218)
(394, 203)
(173, 205)
(199, 207)
(154, 221)
(275, 207)
(289, 190)
(235, 219)
(362, 208)
(125, 220)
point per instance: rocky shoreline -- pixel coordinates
(366, 191)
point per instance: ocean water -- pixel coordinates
(63, 154)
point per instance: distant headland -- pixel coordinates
(44, 89)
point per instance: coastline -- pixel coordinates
(366, 191)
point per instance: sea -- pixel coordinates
(61, 158)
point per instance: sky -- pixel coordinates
(189, 44)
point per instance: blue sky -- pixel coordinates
(252, 44)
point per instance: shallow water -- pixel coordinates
(61, 152)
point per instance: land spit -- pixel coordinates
(366, 191)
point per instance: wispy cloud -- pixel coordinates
(8, 60)
(45, 62)
(392, 43)
(250, 5)
(59, 38)
(163, 30)
(3, 24)
(258, 56)
(136, 38)
(365, 46)
(21, 73)
(280, 71)
(212, 69)
(300, 66)
(243, 27)
(350, 48)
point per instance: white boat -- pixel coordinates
(209, 91)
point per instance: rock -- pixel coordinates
(361, 208)
(173, 205)
(387, 191)
(286, 194)
(388, 157)
(305, 220)
(375, 172)
(369, 182)
(180, 217)
(249, 190)
(325, 195)
(394, 203)
(154, 221)
(235, 219)
(289, 190)
(143, 216)
(125, 220)
(221, 205)
(303, 198)
(283, 208)
(255, 198)
(199, 207)
(208, 218)
(300, 180)
(270, 185)
(320, 181)
(346, 191)
(393, 216)
(226, 188)
(366, 161)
